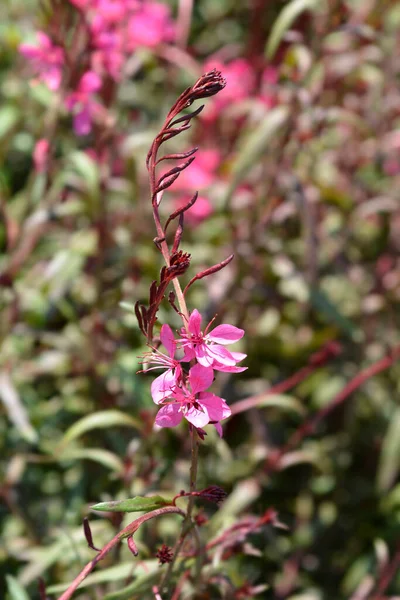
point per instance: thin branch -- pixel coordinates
(309, 426)
(124, 533)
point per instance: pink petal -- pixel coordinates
(226, 334)
(29, 51)
(82, 123)
(168, 340)
(218, 427)
(169, 415)
(203, 355)
(90, 82)
(221, 355)
(200, 378)
(215, 406)
(162, 386)
(197, 417)
(195, 323)
(227, 368)
(189, 354)
(40, 155)
(238, 356)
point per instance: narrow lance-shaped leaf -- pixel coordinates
(209, 271)
(187, 116)
(177, 169)
(286, 18)
(178, 156)
(99, 420)
(136, 504)
(181, 210)
(178, 235)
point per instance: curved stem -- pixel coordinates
(187, 524)
(124, 533)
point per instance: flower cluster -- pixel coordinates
(112, 31)
(182, 394)
(119, 27)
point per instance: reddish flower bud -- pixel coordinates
(164, 554)
(213, 493)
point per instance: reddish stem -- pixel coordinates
(279, 388)
(310, 425)
(388, 574)
(126, 532)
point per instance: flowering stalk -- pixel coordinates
(183, 392)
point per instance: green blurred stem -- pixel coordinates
(187, 525)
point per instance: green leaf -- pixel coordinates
(141, 584)
(389, 462)
(128, 306)
(286, 18)
(15, 589)
(283, 401)
(136, 504)
(254, 144)
(88, 178)
(117, 573)
(321, 302)
(8, 119)
(104, 419)
(99, 455)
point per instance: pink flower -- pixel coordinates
(192, 402)
(46, 58)
(162, 387)
(206, 347)
(40, 155)
(82, 104)
(240, 83)
(150, 26)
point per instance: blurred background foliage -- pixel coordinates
(299, 173)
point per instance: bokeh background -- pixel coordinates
(298, 172)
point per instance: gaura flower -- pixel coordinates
(46, 58)
(162, 387)
(190, 400)
(208, 348)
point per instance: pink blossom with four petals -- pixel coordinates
(209, 348)
(191, 401)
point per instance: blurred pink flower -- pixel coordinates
(81, 103)
(46, 59)
(118, 27)
(200, 174)
(192, 402)
(206, 347)
(40, 155)
(150, 25)
(240, 82)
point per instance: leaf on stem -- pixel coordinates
(136, 504)
(209, 271)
